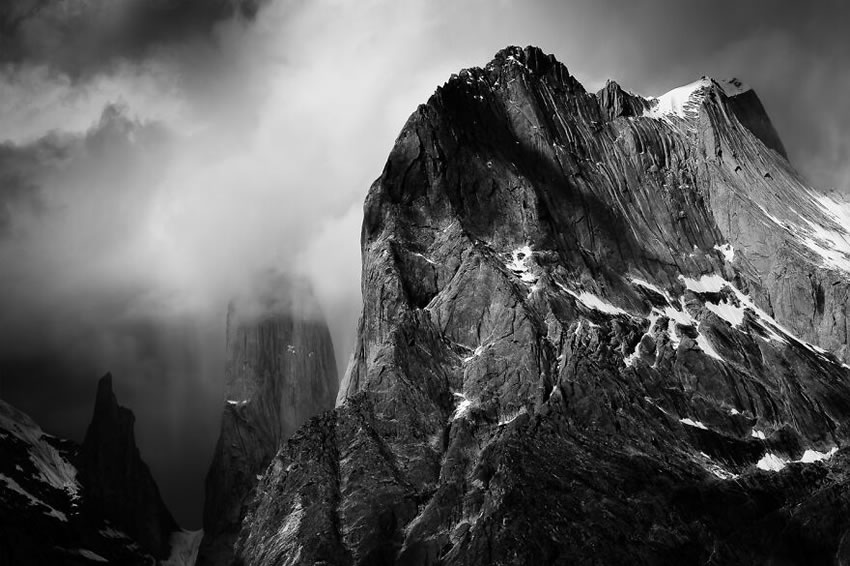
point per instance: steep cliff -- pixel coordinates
(119, 485)
(596, 329)
(280, 371)
(61, 503)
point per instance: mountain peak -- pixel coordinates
(532, 57)
(119, 484)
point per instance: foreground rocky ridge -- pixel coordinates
(69, 504)
(280, 371)
(596, 329)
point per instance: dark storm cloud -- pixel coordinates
(83, 36)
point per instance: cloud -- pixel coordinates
(83, 37)
(152, 191)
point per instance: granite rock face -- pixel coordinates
(280, 371)
(62, 503)
(596, 329)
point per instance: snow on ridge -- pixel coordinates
(757, 434)
(678, 101)
(772, 462)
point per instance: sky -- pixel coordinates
(156, 155)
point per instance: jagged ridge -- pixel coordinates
(579, 343)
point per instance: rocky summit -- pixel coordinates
(597, 328)
(280, 371)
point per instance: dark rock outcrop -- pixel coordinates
(594, 331)
(61, 503)
(119, 485)
(280, 372)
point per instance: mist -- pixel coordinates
(144, 182)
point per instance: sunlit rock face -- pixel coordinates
(280, 371)
(62, 503)
(596, 329)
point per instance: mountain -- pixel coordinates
(280, 371)
(597, 328)
(119, 484)
(62, 503)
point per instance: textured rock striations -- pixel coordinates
(61, 503)
(280, 372)
(596, 329)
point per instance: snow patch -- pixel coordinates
(463, 406)
(727, 250)
(706, 284)
(478, 351)
(732, 314)
(693, 423)
(810, 456)
(707, 347)
(757, 434)
(519, 264)
(774, 463)
(429, 260)
(594, 302)
(771, 462)
(511, 417)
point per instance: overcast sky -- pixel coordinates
(156, 154)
